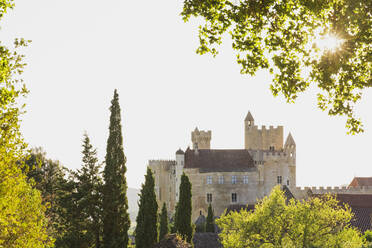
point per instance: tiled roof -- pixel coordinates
(361, 181)
(208, 160)
(287, 193)
(362, 218)
(238, 207)
(206, 240)
(361, 206)
(356, 200)
(249, 117)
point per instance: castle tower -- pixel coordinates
(201, 139)
(290, 150)
(290, 147)
(262, 139)
(180, 161)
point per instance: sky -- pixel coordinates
(82, 50)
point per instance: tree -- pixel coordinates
(209, 225)
(368, 237)
(89, 185)
(317, 222)
(282, 36)
(182, 223)
(48, 176)
(22, 215)
(116, 220)
(164, 229)
(146, 232)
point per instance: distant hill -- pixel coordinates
(133, 199)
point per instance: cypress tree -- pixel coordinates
(164, 229)
(182, 223)
(89, 193)
(146, 232)
(209, 225)
(116, 220)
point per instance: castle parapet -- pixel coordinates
(302, 193)
(270, 155)
(162, 163)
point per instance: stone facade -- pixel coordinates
(228, 177)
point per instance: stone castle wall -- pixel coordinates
(165, 181)
(221, 192)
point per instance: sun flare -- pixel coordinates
(328, 43)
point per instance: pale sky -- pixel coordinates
(82, 50)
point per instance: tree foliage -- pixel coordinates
(146, 232)
(116, 220)
(22, 215)
(89, 197)
(48, 176)
(318, 222)
(164, 228)
(209, 224)
(280, 35)
(182, 223)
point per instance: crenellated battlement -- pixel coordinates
(161, 162)
(264, 128)
(302, 192)
(274, 154)
(201, 139)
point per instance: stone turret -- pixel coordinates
(290, 146)
(180, 161)
(201, 139)
(290, 150)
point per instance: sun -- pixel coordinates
(328, 43)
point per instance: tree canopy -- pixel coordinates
(182, 222)
(89, 196)
(163, 228)
(209, 225)
(116, 220)
(317, 222)
(282, 35)
(146, 233)
(22, 215)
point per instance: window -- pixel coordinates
(288, 182)
(291, 155)
(245, 179)
(271, 148)
(279, 179)
(233, 180)
(209, 198)
(209, 179)
(234, 197)
(220, 180)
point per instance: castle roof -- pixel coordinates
(361, 207)
(249, 117)
(361, 181)
(290, 140)
(208, 160)
(179, 151)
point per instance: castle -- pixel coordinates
(234, 177)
